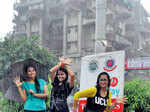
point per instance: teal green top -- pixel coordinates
(34, 103)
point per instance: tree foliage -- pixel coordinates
(12, 50)
(138, 93)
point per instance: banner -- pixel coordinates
(113, 64)
(140, 63)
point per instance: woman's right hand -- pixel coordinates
(17, 81)
(65, 61)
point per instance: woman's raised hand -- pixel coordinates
(68, 61)
(61, 59)
(17, 81)
(65, 61)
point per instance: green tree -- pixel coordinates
(138, 93)
(13, 50)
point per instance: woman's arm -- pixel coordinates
(21, 92)
(39, 95)
(66, 62)
(90, 92)
(72, 77)
(54, 69)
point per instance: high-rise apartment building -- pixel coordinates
(68, 27)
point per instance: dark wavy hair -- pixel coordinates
(108, 77)
(37, 85)
(56, 81)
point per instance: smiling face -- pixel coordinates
(61, 76)
(31, 72)
(103, 81)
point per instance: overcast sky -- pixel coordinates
(6, 11)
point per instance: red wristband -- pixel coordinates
(62, 64)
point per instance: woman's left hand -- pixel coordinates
(122, 99)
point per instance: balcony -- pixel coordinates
(27, 3)
(18, 6)
(20, 34)
(20, 19)
(32, 2)
(141, 28)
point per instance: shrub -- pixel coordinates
(138, 93)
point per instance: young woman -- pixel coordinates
(98, 97)
(33, 92)
(61, 87)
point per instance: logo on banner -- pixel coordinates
(118, 107)
(114, 81)
(93, 66)
(110, 65)
(82, 104)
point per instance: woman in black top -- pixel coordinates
(98, 97)
(61, 87)
(100, 101)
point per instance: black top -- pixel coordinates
(59, 97)
(97, 103)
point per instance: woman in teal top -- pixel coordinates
(33, 92)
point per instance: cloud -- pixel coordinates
(6, 11)
(146, 4)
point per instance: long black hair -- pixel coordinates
(108, 77)
(56, 81)
(37, 85)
